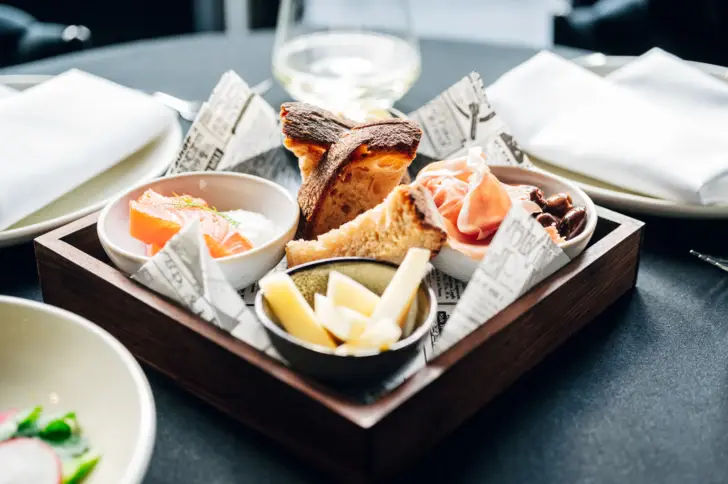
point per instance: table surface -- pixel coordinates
(639, 396)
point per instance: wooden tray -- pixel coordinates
(351, 442)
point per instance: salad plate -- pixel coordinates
(146, 164)
(60, 362)
(619, 198)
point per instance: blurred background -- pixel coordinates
(695, 29)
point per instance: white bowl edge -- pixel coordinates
(462, 267)
(144, 448)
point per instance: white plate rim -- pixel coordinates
(638, 203)
(144, 448)
(21, 234)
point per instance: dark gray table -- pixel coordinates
(639, 396)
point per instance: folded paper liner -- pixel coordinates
(520, 256)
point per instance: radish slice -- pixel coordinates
(28, 460)
(6, 415)
(8, 425)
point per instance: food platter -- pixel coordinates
(352, 335)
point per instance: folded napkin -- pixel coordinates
(59, 134)
(656, 126)
(6, 91)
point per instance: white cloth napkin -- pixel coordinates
(59, 134)
(655, 126)
(6, 91)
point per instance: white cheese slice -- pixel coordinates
(357, 322)
(345, 291)
(378, 335)
(398, 297)
(292, 310)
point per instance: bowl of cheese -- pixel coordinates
(349, 319)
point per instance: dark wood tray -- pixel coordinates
(352, 442)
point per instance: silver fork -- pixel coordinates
(718, 262)
(188, 109)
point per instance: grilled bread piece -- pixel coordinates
(408, 217)
(346, 169)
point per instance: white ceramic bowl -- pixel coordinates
(56, 359)
(223, 190)
(460, 266)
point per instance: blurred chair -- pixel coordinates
(691, 29)
(263, 14)
(24, 39)
(617, 27)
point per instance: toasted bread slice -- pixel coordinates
(346, 168)
(356, 174)
(408, 217)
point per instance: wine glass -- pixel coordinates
(353, 61)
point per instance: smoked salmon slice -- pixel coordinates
(155, 218)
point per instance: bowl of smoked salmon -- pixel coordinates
(246, 221)
(474, 198)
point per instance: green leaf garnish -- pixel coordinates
(59, 428)
(61, 433)
(69, 448)
(26, 420)
(186, 201)
(76, 469)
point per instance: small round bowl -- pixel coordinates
(366, 365)
(223, 190)
(59, 360)
(460, 266)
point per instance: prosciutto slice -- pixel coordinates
(472, 200)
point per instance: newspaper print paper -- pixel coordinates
(462, 117)
(236, 130)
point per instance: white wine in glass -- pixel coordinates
(347, 66)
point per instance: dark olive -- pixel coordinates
(573, 223)
(546, 219)
(558, 204)
(537, 197)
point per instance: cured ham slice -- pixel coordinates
(470, 198)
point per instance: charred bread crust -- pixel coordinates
(428, 217)
(394, 136)
(304, 123)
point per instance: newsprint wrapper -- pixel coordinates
(236, 128)
(460, 118)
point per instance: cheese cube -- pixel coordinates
(343, 323)
(357, 322)
(402, 289)
(378, 335)
(345, 291)
(292, 310)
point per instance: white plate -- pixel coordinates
(59, 360)
(146, 164)
(462, 267)
(620, 199)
